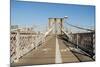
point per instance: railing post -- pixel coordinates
(77, 40)
(17, 45)
(70, 37)
(43, 39)
(36, 40)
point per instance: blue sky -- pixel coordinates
(37, 14)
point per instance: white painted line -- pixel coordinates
(58, 58)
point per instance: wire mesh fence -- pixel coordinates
(23, 42)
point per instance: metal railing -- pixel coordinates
(23, 42)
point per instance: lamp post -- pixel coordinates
(65, 21)
(65, 18)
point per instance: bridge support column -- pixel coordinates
(57, 23)
(61, 24)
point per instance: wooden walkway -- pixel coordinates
(53, 51)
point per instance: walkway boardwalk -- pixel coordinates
(52, 51)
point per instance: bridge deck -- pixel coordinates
(53, 51)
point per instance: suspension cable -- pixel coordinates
(79, 27)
